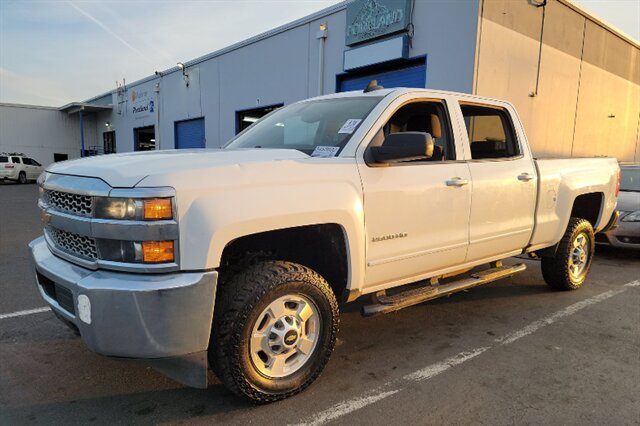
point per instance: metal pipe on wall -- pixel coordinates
(157, 132)
(321, 35)
(81, 116)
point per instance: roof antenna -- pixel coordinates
(373, 85)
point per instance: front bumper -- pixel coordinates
(125, 314)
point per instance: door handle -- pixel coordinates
(457, 182)
(525, 177)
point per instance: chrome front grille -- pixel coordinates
(68, 202)
(77, 245)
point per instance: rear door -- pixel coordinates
(30, 168)
(504, 182)
(17, 167)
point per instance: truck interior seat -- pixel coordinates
(488, 149)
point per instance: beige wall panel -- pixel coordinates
(605, 50)
(637, 155)
(603, 94)
(507, 64)
(508, 70)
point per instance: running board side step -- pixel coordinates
(386, 304)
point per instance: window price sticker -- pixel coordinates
(325, 151)
(349, 126)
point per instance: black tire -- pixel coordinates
(22, 178)
(556, 270)
(238, 307)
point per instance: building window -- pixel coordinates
(247, 117)
(60, 157)
(144, 138)
(109, 142)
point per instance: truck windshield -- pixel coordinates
(319, 127)
(630, 179)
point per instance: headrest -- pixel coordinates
(436, 130)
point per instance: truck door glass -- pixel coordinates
(490, 132)
(427, 117)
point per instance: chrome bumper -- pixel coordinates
(129, 315)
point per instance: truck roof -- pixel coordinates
(402, 90)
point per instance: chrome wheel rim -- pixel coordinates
(284, 336)
(579, 255)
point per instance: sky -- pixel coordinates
(55, 52)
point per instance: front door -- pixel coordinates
(416, 220)
(504, 184)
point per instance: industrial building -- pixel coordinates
(574, 79)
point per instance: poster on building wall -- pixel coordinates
(142, 104)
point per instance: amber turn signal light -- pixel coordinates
(158, 209)
(157, 251)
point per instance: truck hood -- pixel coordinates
(127, 170)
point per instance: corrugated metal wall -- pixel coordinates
(588, 86)
(39, 132)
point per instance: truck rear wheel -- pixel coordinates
(569, 267)
(274, 329)
(22, 178)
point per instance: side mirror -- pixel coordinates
(403, 146)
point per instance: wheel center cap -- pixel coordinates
(290, 338)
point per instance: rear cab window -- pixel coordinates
(491, 132)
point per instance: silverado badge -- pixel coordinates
(389, 237)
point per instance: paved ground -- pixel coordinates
(511, 352)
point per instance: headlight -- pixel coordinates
(632, 217)
(133, 209)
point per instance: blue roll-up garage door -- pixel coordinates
(190, 133)
(413, 76)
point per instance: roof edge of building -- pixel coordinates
(28, 106)
(259, 37)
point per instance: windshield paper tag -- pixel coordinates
(325, 151)
(350, 125)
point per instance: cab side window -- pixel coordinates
(490, 131)
(426, 117)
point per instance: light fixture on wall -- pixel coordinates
(185, 76)
(107, 124)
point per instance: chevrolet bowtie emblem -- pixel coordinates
(45, 217)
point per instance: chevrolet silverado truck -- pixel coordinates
(235, 259)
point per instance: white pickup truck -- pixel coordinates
(236, 258)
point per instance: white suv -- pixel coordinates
(18, 168)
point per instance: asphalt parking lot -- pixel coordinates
(511, 352)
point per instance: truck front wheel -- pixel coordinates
(274, 328)
(569, 267)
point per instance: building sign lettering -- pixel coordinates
(369, 19)
(142, 104)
